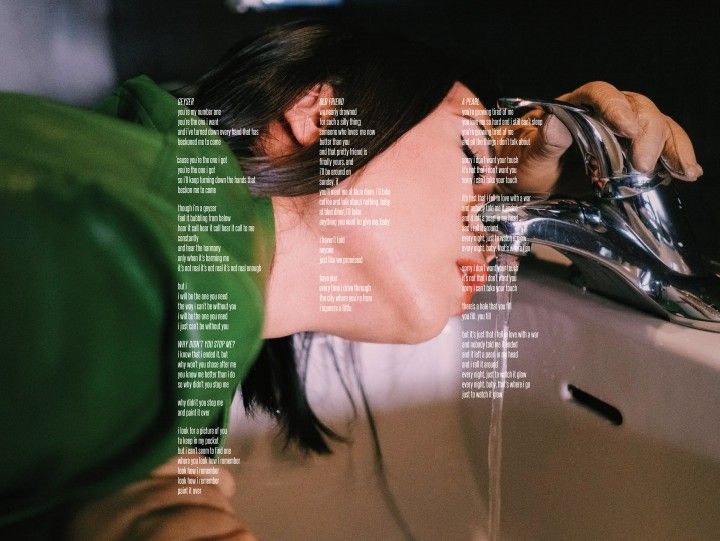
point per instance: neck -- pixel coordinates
(289, 296)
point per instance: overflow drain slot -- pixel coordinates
(593, 403)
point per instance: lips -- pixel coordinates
(473, 273)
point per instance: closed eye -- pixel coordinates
(472, 158)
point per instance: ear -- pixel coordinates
(300, 125)
(303, 118)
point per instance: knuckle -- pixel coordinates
(676, 128)
(641, 101)
(599, 87)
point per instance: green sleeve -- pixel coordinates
(89, 309)
(85, 406)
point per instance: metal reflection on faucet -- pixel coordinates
(631, 241)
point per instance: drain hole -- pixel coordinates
(604, 409)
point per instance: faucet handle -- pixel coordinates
(605, 154)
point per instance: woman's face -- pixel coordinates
(421, 267)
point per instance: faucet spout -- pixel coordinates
(631, 241)
(611, 256)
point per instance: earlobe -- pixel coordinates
(304, 117)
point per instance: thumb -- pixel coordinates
(549, 142)
(554, 136)
(539, 169)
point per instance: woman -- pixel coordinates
(91, 317)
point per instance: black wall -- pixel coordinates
(534, 49)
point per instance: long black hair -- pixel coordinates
(391, 82)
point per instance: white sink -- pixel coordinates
(570, 473)
(567, 471)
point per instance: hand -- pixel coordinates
(654, 136)
(152, 509)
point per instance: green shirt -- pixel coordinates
(89, 304)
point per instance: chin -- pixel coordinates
(422, 327)
(410, 327)
(411, 316)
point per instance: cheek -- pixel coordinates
(413, 260)
(412, 263)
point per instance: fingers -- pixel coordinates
(609, 103)
(539, 165)
(679, 155)
(654, 135)
(152, 509)
(661, 138)
(650, 142)
(554, 138)
(170, 469)
(185, 523)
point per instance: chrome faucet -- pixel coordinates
(631, 241)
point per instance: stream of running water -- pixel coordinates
(507, 266)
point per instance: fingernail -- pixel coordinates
(695, 171)
(555, 132)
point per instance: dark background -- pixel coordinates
(530, 48)
(77, 50)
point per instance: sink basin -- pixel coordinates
(618, 436)
(570, 471)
